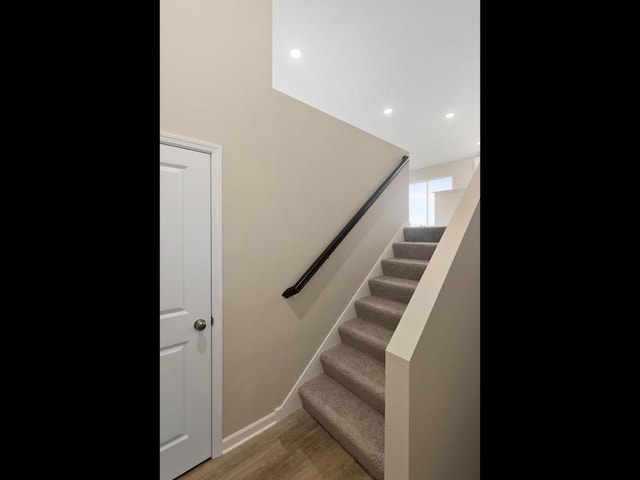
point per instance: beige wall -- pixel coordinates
(433, 359)
(461, 171)
(292, 177)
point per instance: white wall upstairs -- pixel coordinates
(461, 172)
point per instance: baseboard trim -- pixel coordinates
(247, 433)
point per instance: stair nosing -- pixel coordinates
(420, 261)
(400, 281)
(405, 242)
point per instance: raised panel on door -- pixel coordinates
(172, 394)
(185, 296)
(171, 237)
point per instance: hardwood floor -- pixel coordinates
(297, 448)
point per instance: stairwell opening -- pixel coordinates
(348, 398)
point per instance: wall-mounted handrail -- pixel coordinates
(315, 266)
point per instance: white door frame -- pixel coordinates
(215, 155)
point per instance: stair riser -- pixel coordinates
(375, 399)
(334, 430)
(375, 350)
(372, 314)
(416, 250)
(423, 234)
(412, 272)
(399, 293)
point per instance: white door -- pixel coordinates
(185, 305)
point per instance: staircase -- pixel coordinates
(348, 398)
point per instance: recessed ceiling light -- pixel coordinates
(295, 53)
(388, 111)
(450, 115)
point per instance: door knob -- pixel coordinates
(200, 324)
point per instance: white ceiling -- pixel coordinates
(419, 57)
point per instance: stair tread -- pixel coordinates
(380, 303)
(363, 370)
(380, 310)
(412, 234)
(411, 268)
(430, 244)
(407, 261)
(421, 250)
(394, 288)
(396, 281)
(373, 334)
(357, 426)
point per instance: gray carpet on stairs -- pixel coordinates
(368, 337)
(348, 398)
(418, 250)
(423, 234)
(357, 371)
(353, 423)
(410, 268)
(380, 310)
(393, 288)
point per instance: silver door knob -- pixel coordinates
(200, 324)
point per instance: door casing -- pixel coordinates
(215, 155)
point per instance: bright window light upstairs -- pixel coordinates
(418, 204)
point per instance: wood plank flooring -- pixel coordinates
(297, 448)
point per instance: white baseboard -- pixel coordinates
(247, 433)
(314, 368)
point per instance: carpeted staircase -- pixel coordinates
(348, 398)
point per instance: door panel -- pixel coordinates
(171, 241)
(172, 371)
(185, 296)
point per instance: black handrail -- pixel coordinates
(315, 266)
